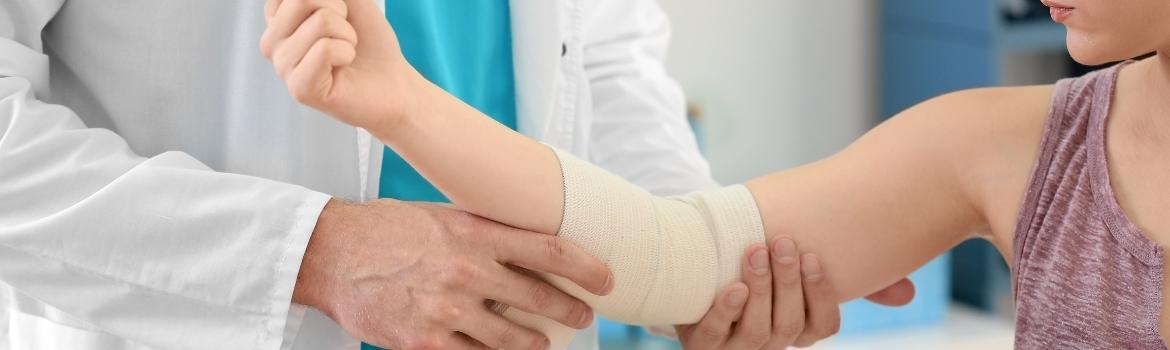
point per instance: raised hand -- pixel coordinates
(340, 57)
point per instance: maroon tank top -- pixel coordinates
(1085, 276)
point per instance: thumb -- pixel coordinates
(367, 17)
(375, 35)
(364, 9)
(898, 294)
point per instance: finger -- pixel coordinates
(312, 80)
(550, 254)
(824, 314)
(320, 25)
(536, 297)
(898, 294)
(755, 328)
(366, 13)
(413, 341)
(497, 332)
(788, 294)
(714, 329)
(470, 343)
(270, 7)
(289, 16)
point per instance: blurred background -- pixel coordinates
(789, 82)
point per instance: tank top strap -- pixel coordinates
(1076, 123)
(1123, 229)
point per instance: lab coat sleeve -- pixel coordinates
(159, 251)
(640, 129)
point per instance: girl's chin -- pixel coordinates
(1089, 59)
(1088, 54)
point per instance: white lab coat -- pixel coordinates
(158, 186)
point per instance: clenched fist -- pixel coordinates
(340, 57)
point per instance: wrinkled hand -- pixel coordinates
(785, 300)
(419, 276)
(340, 57)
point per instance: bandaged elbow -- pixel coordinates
(669, 256)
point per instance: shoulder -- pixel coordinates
(1011, 115)
(969, 124)
(1010, 105)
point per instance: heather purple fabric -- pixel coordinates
(1085, 276)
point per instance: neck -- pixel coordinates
(1161, 70)
(1147, 95)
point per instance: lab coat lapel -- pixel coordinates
(536, 51)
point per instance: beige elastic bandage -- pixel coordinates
(669, 256)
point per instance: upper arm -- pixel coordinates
(639, 127)
(911, 188)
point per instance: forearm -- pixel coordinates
(482, 166)
(662, 250)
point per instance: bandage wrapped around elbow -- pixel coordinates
(670, 256)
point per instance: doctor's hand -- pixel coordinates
(342, 58)
(420, 276)
(784, 300)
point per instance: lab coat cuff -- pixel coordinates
(286, 318)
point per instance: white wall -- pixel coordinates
(780, 83)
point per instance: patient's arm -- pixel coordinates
(900, 196)
(904, 193)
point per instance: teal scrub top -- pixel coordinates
(465, 47)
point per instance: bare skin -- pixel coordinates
(416, 276)
(789, 302)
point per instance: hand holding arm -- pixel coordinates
(415, 276)
(779, 304)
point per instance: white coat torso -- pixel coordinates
(91, 236)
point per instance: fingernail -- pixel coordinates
(785, 250)
(608, 286)
(736, 298)
(759, 261)
(586, 319)
(609, 283)
(810, 266)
